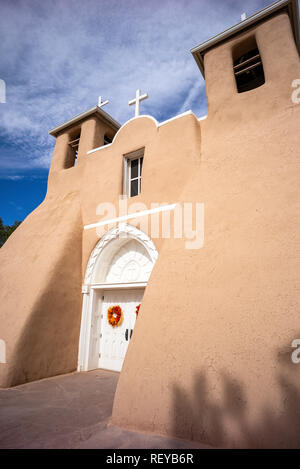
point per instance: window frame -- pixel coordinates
(107, 140)
(135, 155)
(253, 65)
(74, 145)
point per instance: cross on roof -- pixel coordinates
(137, 100)
(243, 16)
(100, 103)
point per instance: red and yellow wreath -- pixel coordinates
(137, 309)
(115, 315)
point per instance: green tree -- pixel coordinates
(7, 230)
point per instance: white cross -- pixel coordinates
(243, 16)
(137, 100)
(100, 103)
(133, 271)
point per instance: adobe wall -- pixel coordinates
(172, 153)
(40, 275)
(210, 357)
(43, 263)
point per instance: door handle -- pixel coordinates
(126, 334)
(131, 331)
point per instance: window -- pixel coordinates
(107, 140)
(74, 144)
(133, 173)
(135, 177)
(248, 71)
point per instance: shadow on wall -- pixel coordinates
(48, 344)
(200, 418)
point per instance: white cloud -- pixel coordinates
(58, 56)
(15, 177)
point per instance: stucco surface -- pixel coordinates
(211, 355)
(40, 299)
(168, 162)
(43, 263)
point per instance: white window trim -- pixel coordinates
(126, 170)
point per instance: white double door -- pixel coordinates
(114, 341)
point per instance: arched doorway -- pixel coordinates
(117, 274)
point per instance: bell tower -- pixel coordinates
(253, 63)
(75, 137)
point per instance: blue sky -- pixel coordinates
(58, 56)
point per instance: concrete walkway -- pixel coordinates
(70, 411)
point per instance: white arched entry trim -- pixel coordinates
(117, 273)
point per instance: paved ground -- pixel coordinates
(70, 411)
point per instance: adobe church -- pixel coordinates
(201, 337)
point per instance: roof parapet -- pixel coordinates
(94, 110)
